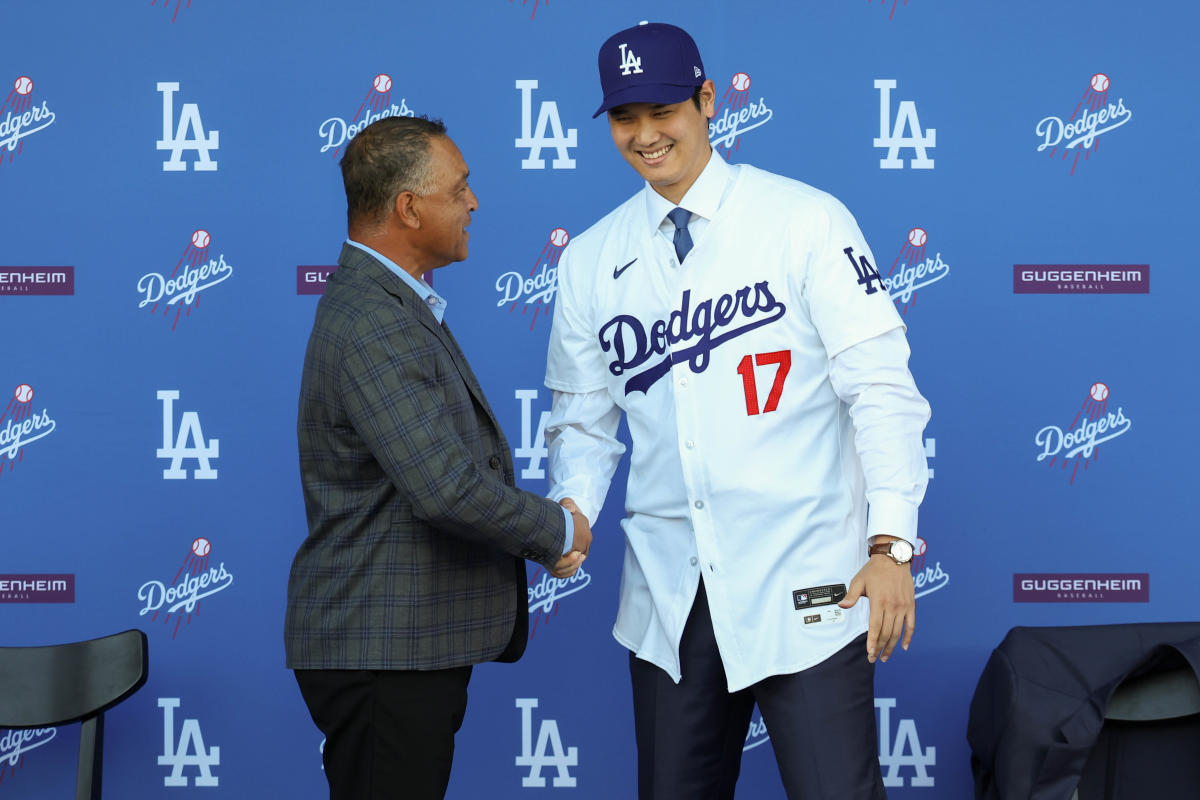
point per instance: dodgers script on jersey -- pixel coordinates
(743, 467)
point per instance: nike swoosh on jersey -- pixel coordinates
(618, 270)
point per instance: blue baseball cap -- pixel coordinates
(649, 63)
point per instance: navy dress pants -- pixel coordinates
(690, 735)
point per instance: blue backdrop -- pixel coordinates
(169, 194)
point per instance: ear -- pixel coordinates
(708, 97)
(407, 211)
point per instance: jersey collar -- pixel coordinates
(703, 199)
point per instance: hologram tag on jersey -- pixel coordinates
(818, 595)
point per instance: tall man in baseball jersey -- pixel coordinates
(736, 318)
(414, 565)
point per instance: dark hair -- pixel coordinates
(696, 97)
(387, 157)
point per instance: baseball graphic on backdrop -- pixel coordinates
(741, 82)
(201, 546)
(382, 82)
(559, 237)
(23, 85)
(1100, 82)
(23, 393)
(200, 238)
(917, 237)
(1099, 392)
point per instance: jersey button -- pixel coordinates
(695, 561)
(699, 504)
(690, 444)
(683, 381)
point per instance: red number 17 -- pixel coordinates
(746, 369)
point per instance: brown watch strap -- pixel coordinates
(882, 549)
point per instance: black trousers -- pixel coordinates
(389, 734)
(690, 735)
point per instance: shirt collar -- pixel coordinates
(436, 303)
(704, 197)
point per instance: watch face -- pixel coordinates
(902, 551)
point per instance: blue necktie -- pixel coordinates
(683, 240)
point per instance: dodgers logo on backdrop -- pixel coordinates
(14, 744)
(187, 750)
(166, 4)
(537, 287)
(710, 324)
(180, 595)
(45, 281)
(21, 117)
(756, 733)
(336, 132)
(21, 426)
(905, 134)
(547, 753)
(736, 114)
(178, 293)
(927, 579)
(188, 134)
(883, 4)
(900, 749)
(535, 4)
(1093, 117)
(912, 270)
(177, 447)
(536, 139)
(1079, 443)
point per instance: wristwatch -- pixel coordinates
(899, 551)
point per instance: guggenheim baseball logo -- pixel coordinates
(1079, 443)
(336, 132)
(1080, 587)
(1093, 117)
(736, 114)
(20, 426)
(178, 294)
(37, 588)
(53, 281)
(537, 287)
(1081, 279)
(21, 117)
(180, 596)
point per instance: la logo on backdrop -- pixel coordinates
(1079, 443)
(537, 287)
(336, 132)
(177, 294)
(1080, 133)
(20, 426)
(735, 114)
(20, 117)
(177, 600)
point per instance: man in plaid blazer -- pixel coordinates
(414, 565)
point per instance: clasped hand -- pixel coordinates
(570, 563)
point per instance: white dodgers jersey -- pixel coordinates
(743, 464)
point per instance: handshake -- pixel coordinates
(569, 563)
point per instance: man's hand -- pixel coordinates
(580, 543)
(893, 606)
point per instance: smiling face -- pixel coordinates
(667, 144)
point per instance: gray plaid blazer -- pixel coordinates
(416, 534)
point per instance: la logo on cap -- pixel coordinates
(629, 62)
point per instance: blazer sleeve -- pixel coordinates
(394, 397)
